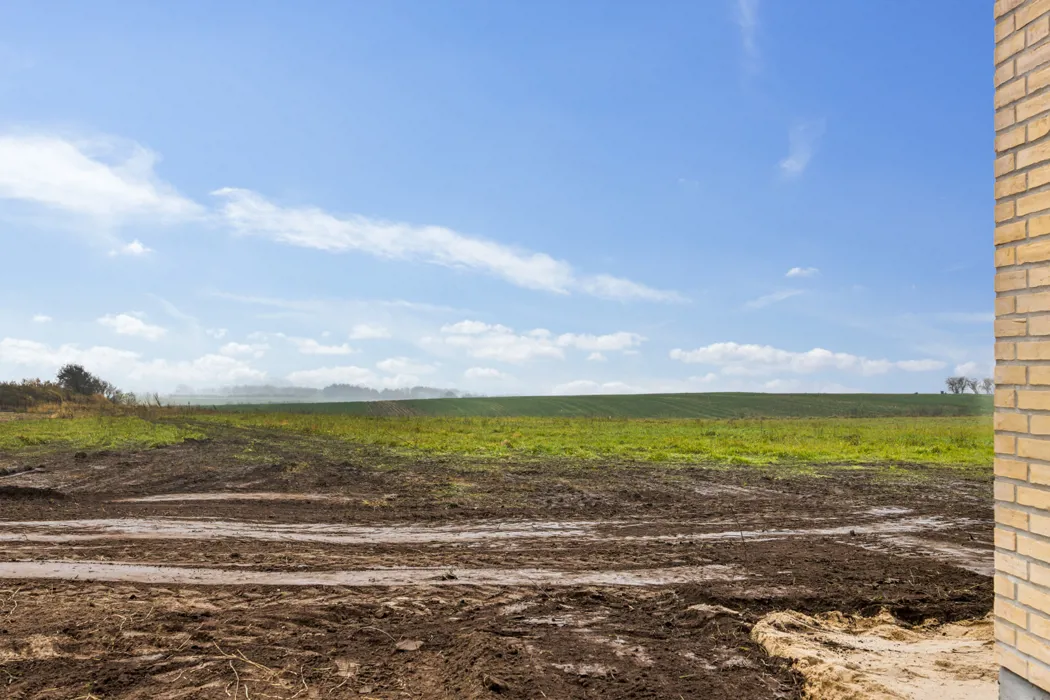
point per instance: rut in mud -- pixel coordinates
(190, 572)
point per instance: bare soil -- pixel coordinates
(257, 565)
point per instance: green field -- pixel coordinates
(714, 405)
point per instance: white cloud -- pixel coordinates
(747, 19)
(134, 249)
(596, 357)
(499, 342)
(126, 324)
(485, 373)
(217, 333)
(309, 346)
(802, 272)
(104, 179)
(970, 369)
(585, 386)
(249, 213)
(243, 349)
(42, 318)
(366, 331)
(737, 359)
(125, 368)
(403, 365)
(773, 298)
(802, 144)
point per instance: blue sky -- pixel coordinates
(509, 197)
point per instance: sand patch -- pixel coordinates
(879, 658)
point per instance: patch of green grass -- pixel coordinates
(102, 433)
(965, 441)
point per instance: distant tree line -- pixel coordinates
(332, 392)
(73, 383)
(960, 385)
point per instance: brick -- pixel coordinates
(1038, 226)
(1006, 351)
(1036, 548)
(1033, 58)
(1040, 576)
(1008, 233)
(1001, 7)
(1039, 425)
(1031, 11)
(1039, 625)
(1037, 498)
(1003, 28)
(1033, 252)
(1011, 468)
(1004, 211)
(1010, 374)
(1039, 201)
(1005, 539)
(1011, 518)
(1009, 658)
(1011, 92)
(1010, 139)
(1010, 327)
(1011, 280)
(1004, 73)
(1038, 79)
(1029, 303)
(1032, 106)
(1039, 525)
(1037, 31)
(1039, 675)
(1008, 47)
(1004, 164)
(1039, 325)
(1005, 305)
(1005, 587)
(1039, 277)
(1005, 444)
(1014, 614)
(1033, 154)
(1012, 565)
(1005, 633)
(1039, 474)
(1005, 492)
(1037, 400)
(1014, 423)
(1032, 646)
(1039, 375)
(1014, 184)
(1034, 597)
(1006, 398)
(1038, 177)
(1004, 119)
(1038, 350)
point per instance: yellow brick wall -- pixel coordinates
(1022, 337)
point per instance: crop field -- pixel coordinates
(286, 554)
(709, 405)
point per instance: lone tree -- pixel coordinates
(956, 385)
(78, 380)
(987, 385)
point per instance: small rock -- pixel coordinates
(409, 645)
(494, 684)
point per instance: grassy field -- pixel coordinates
(962, 441)
(713, 405)
(101, 433)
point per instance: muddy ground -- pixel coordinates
(258, 565)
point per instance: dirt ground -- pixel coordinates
(256, 565)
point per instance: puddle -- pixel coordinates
(973, 559)
(842, 658)
(235, 496)
(423, 576)
(211, 529)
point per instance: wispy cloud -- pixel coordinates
(42, 318)
(773, 298)
(499, 342)
(803, 140)
(747, 20)
(802, 272)
(249, 213)
(126, 324)
(366, 331)
(134, 249)
(485, 373)
(743, 359)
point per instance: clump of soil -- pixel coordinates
(26, 492)
(843, 658)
